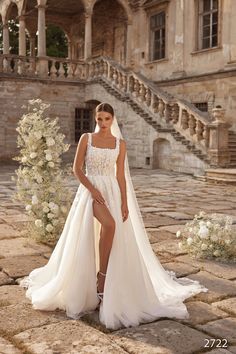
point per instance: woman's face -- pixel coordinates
(104, 120)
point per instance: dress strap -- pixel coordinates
(89, 139)
(118, 144)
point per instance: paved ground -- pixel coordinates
(167, 201)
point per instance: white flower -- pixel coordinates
(34, 199)
(45, 204)
(214, 238)
(228, 242)
(189, 240)
(49, 227)
(40, 163)
(209, 224)
(190, 229)
(211, 246)
(54, 222)
(48, 157)
(203, 232)
(33, 155)
(50, 215)
(51, 164)
(46, 209)
(202, 223)
(50, 142)
(63, 209)
(53, 206)
(180, 244)
(204, 246)
(178, 233)
(28, 207)
(38, 135)
(24, 159)
(38, 223)
(39, 179)
(216, 253)
(51, 189)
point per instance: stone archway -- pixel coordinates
(162, 152)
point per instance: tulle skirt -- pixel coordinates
(137, 288)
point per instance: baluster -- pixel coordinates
(124, 82)
(101, 68)
(78, 72)
(96, 69)
(192, 125)
(53, 71)
(174, 113)
(105, 69)
(61, 70)
(70, 72)
(206, 134)
(92, 70)
(161, 108)
(148, 97)
(1, 64)
(120, 80)
(184, 119)
(6, 65)
(136, 88)
(131, 84)
(142, 92)
(155, 102)
(199, 130)
(115, 77)
(20, 68)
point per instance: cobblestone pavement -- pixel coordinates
(167, 201)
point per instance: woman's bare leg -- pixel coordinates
(107, 222)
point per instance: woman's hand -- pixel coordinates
(124, 211)
(97, 196)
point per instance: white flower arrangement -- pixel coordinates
(209, 236)
(40, 176)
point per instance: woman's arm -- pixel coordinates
(120, 175)
(78, 169)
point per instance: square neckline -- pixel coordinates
(96, 147)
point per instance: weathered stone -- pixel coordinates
(218, 288)
(5, 279)
(176, 215)
(220, 269)
(12, 295)
(223, 328)
(180, 269)
(7, 348)
(172, 228)
(161, 337)
(201, 313)
(218, 350)
(19, 317)
(7, 231)
(67, 337)
(20, 246)
(227, 305)
(156, 235)
(168, 246)
(20, 266)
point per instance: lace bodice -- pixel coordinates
(101, 161)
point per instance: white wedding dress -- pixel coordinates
(137, 288)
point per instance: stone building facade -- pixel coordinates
(163, 64)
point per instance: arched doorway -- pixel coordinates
(162, 152)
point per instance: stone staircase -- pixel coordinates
(232, 149)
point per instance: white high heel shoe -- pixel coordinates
(100, 295)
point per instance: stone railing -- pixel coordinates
(207, 133)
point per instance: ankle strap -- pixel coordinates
(104, 274)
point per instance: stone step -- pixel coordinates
(223, 175)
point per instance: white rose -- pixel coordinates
(214, 238)
(39, 179)
(46, 209)
(48, 157)
(180, 244)
(38, 223)
(204, 246)
(63, 209)
(202, 223)
(51, 164)
(216, 253)
(55, 222)
(53, 206)
(49, 227)
(45, 204)
(40, 163)
(209, 224)
(34, 199)
(50, 215)
(28, 207)
(178, 233)
(189, 241)
(38, 134)
(50, 141)
(24, 159)
(33, 155)
(203, 232)
(190, 229)
(228, 242)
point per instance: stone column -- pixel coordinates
(88, 35)
(178, 53)
(32, 45)
(41, 31)
(6, 45)
(128, 44)
(219, 139)
(22, 37)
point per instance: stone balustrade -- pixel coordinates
(195, 126)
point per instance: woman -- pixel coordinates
(117, 271)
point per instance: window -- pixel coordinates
(158, 32)
(202, 106)
(208, 24)
(83, 122)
